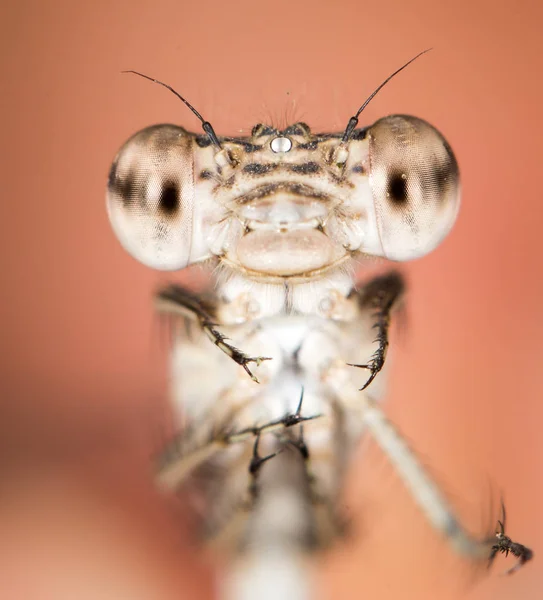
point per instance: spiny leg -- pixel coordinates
(505, 545)
(176, 469)
(257, 461)
(279, 533)
(327, 523)
(177, 300)
(178, 466)
(381, 294)
(289, 420)
(300, 444)
(331, 522)
(422, 488)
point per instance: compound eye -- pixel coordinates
(150, 196)
(415, 185)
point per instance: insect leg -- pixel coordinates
(257, 461)
(281, 530)
(422, 488)
(176, 469)
(177, 300)
(288, 420)
(382, 295)
(506, 545)
(289, 517)
(178, 465)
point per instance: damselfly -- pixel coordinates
(277, 365)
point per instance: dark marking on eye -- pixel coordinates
(206, 174)
(360, 134)
(163, 137)
(112, 176)
(305, 168)
(259, 168)
(297, 129)
(125, 187)
(168, 202)
(358, 169)
(203, 141)
(397, 188)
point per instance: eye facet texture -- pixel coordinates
(150, 196)
(415, 185)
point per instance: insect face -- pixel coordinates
(279, 203)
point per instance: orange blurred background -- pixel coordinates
(84, 380)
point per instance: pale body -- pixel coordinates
(282, 219)
(309, 352)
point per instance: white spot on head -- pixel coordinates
(281, 144)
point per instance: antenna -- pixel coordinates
(353, 121)
(206, 125)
